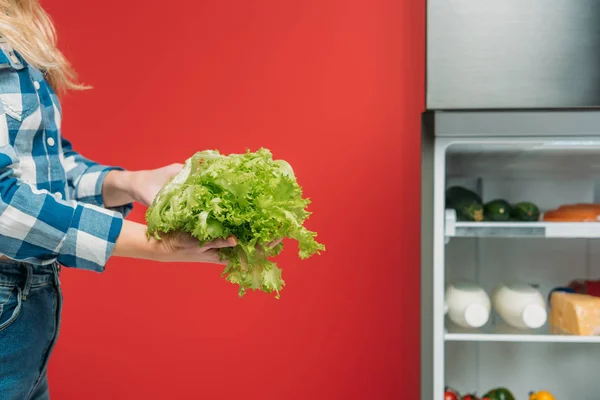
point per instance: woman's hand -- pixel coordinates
(185, 248)
(124, 187)
(145, 185)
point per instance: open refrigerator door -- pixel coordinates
(510, 258)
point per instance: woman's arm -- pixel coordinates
(124, 187)
(132, 243)
(117, 188)
(86, 179)
(112, 187)
(37, 225)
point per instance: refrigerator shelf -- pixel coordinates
(504, 333)
(581, 230)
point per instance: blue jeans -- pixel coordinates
(30, 306)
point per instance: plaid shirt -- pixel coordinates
(50, 196)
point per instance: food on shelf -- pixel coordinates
(451, 394)
(468, 304)
(542, 395)
(469, 207)
(465, 202)
(525, 211)
(580, 212)
(499, 394)
(570, 215)
(575, 314)
(470, 397)
(520, 305)
(497, 210)
(588, 287)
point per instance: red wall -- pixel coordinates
(333, 86)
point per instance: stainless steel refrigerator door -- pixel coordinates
(506, 54)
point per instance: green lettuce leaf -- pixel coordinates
(251, 196)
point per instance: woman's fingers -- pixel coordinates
(173, 242)
(274, 243)
(220, 243)
(269, 245)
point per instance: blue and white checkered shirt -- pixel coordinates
(51, 206)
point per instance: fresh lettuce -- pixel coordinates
(251, 196)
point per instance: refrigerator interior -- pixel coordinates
(549, 173)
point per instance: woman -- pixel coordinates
(56, 207)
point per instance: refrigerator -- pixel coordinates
(512, 114)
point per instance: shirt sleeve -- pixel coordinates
(85, 178)
(36, 226)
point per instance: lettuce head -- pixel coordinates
(250, 196)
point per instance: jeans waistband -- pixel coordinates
(27, 275)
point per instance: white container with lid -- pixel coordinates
(520, 305)
(467, 305)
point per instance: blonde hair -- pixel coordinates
(30, 31)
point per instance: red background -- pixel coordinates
(333, 86)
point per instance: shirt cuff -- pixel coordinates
(89, 188)
(91, 238)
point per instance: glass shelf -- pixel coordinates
(455, 228)
(503, 333)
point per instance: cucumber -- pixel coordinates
(466, 203)
(525, 211)
(497, 210)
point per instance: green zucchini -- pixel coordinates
(466, 203)
(525, 212)
(497, 210)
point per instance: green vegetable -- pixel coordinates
(497, 210)
(499, 394)
(465, 202)
(250, 196)
(525, 211)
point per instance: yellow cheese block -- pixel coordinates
(575, 314)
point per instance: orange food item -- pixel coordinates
(543, 395)
(574, 314)
(572, 215)
(581, 207)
